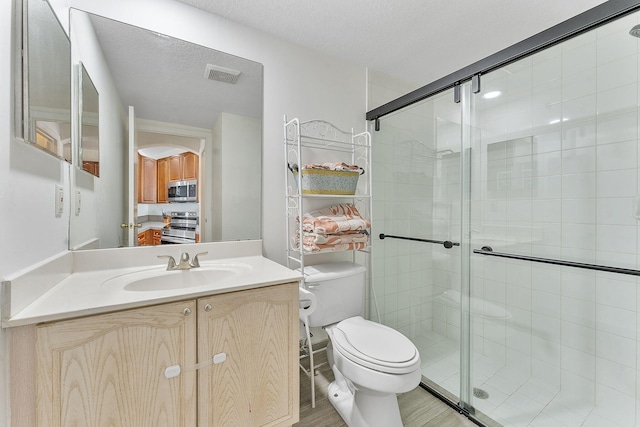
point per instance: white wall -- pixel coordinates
(29, 229)
(238, 221)
(297, 82)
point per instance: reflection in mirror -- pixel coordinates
(194, 116)
(47, 72)
(89, 130)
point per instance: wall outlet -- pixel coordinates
(59, 200)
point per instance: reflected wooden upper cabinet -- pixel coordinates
(46, 112)
(189, 166)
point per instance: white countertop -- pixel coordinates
(152, 225)
(83, 293)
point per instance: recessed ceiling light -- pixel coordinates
(492, 94)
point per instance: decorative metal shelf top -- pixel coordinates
(488, 251)
(337, 146)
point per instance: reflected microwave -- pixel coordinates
(182, 191)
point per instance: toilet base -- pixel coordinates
(361, 409)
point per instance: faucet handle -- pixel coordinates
(196, 262)
(172, 262)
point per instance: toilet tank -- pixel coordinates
(339, 289)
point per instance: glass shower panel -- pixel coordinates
(554, 174)
(416, 187)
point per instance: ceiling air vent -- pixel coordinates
(221, 74)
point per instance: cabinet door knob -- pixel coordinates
(208, 307)
(186, 311)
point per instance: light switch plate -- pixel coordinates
(78, 202)
(59, 200)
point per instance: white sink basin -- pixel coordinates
(159, 279)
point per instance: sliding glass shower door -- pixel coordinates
(554, 179)
(417, 207)
(510, 222)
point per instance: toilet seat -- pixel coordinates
(375, 346)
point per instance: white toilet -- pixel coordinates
(371, 362)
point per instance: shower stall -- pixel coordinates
(506, 241)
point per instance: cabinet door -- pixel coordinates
(189, 166)
(156, 237)
(108, 370)
(258, 383)
(148, 180)
(163, 179)
(142, 238)
(175, 168)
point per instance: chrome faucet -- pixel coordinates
(184, 263)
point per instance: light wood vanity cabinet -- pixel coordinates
(258, 384)
(109, 369)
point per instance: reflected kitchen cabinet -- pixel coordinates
(175, 168)
(142, 239)
(163, 179)
(189, 166)
(91, 167)
(151, 237)
(147, 180)
(183, 166)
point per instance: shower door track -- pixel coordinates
(488, 251)
(579, 24)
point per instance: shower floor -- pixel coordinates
(514, 397)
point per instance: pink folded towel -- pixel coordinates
(334, 242)
(337, 219)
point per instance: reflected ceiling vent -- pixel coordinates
(221, 74)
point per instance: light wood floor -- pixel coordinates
(418, 407)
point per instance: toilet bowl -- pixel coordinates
(371, 364)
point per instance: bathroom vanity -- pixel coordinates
(123, 353)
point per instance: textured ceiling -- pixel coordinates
(163, 77)
(416, 40)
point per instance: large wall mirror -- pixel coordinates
(180, 140)
(47, 74)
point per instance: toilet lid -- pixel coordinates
(375, 346)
